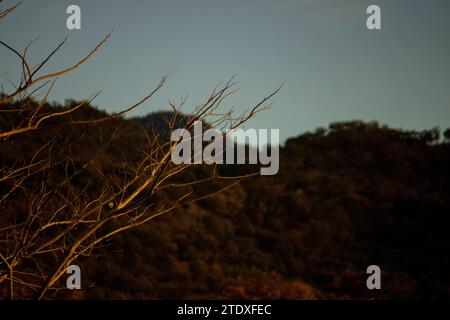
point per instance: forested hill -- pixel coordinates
(358, 194)
(346, 197)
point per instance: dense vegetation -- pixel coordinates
(346, 197)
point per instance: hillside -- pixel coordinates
(348, 196)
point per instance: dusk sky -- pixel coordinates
(333, 67)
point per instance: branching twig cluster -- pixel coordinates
(47, 223)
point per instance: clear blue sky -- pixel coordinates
(333, 67)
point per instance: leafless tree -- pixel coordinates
(56, 223)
